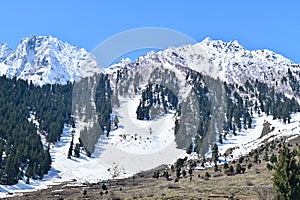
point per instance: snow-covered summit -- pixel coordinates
(231, 62)
(227, 61)
(45, 59)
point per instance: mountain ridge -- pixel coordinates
(227, 61)
(45, 59)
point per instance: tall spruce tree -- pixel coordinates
(215, 153)
(286, 179)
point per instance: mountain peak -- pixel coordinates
(235, 43)
(221, 44)
(45, 59)
(47, 42)
(39, 37)
(207, 40)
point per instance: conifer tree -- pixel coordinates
(215, 153)
(116, 121)
(286, 179)
(77, 150)
(70, 148)
(108, 127)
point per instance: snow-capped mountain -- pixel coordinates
(231, 62)
(169, 104)
(45, 59)
(164, 105)
(227, 61)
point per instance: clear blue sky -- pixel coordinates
(255, 24)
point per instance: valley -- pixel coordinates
(199, 108)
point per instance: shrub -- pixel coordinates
(207, 176)
(226, 166)
(238, 169)
(104, 187)
(249, 166)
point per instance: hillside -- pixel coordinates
(160, 183)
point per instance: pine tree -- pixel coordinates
(266, 157)
(221, 138)
(230, 170)
(215, 153)
(77, 150)
(108, 127)
(249, 120)
(116, 121)
(286, 179)
(189, 149)
(238, 168)
(273, 158)
(183, 173)
(178, 173)
(207, 175)
(255, 156)
(237, 119)
(70, 148)
(150, 131)
(190, 171)
(226, 166)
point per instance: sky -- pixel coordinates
(255, 24)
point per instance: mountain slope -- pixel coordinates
(4, 51)
(236, 81)
(230, 62)
(45, 59)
